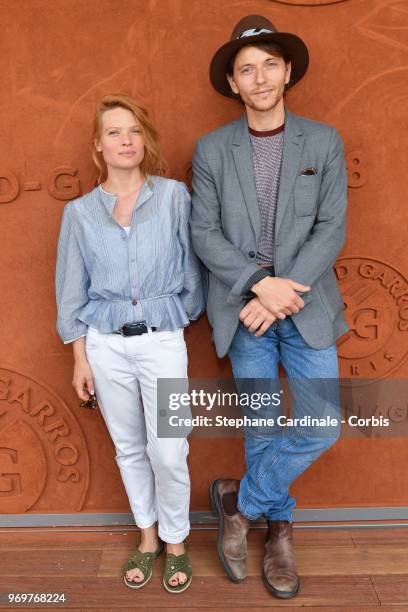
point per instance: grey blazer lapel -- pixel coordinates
(293, 141)
(241, 151)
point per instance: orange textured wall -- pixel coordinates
(57, 59)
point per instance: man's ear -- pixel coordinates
(232, 84)
(288, 72)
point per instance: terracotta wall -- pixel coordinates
(57, 59)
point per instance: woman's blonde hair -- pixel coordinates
(152, 162)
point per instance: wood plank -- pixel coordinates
(370, 560)
(205, 593)
(309, 537)
(312, 561)
(67, 539)
(391, 590)
(43, 539)
(105, 562)
(50, 563)
(292, 608)
(123, 540)
(334, 573)
(388, 536)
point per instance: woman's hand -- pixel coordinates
(83, 379)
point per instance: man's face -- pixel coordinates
(259, 78)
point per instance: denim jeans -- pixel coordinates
(276, 457)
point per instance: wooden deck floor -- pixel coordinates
(353, 569)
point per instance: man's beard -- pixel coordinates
(264, 109)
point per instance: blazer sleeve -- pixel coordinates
(193, 295)
(71, 281)
(329, 231)
(220, 256)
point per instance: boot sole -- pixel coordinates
(280, 594)
(218, 510)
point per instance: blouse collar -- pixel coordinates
(109, 199)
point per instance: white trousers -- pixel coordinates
(154, 470)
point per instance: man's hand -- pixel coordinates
(256, 317)
(278, 295)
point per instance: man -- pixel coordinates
(268, 221)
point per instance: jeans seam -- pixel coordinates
(274, 458)
(289, 366)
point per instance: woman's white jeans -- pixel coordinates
(154, 470)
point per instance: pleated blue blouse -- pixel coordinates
(106, 278)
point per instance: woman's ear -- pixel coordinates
(97, 146)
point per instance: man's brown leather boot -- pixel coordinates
(232, 530)
(279, 567)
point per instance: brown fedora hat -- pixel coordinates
(251, 29)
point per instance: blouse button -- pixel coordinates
(134, 302)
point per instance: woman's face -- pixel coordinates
(121, 142)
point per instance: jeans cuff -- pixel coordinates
(280, 516)
(244, 514)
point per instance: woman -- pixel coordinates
(127, 283)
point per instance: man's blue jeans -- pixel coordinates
(275, 459)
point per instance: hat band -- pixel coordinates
(255, 32)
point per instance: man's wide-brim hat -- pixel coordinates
(255, 29)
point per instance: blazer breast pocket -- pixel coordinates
(306, 194)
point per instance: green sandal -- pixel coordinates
(174, 564)
(143, 562)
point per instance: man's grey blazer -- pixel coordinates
(309, 228)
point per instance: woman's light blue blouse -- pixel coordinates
(106, 278)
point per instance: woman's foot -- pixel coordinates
(178, 572)
(179, 577)
(149, 542)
